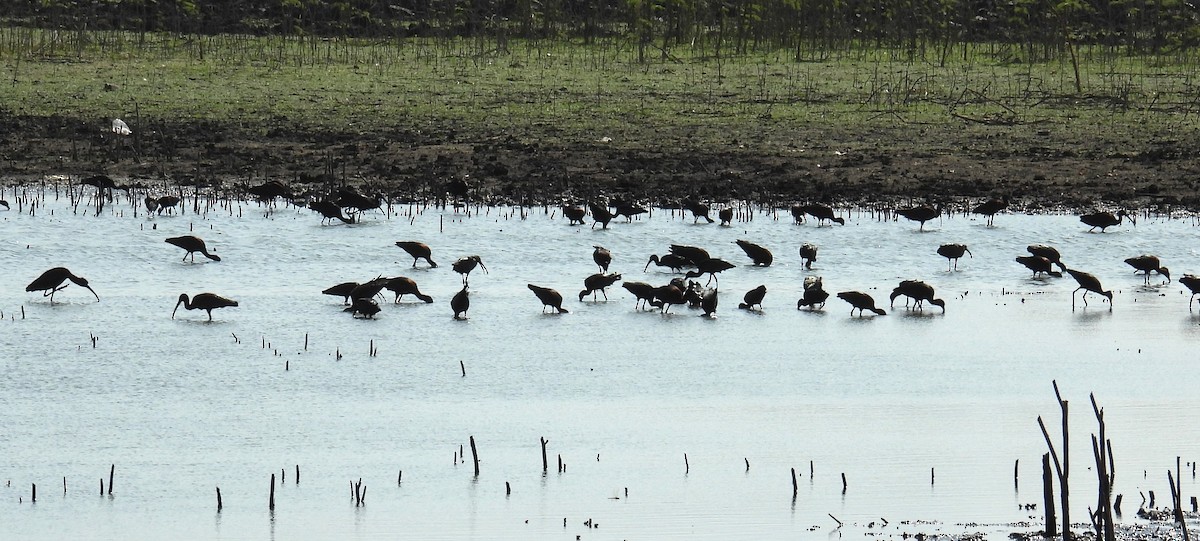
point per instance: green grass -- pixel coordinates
(573, 90)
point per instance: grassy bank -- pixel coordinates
(981, 101)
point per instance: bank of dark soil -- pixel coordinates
(1038, 166)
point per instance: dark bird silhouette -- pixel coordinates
(1192, 282)
(708, 302)
(1088, 283)
(460, 303)
(574, 213)
(918, 291)
(269, 190)
(753, 298)
(351, 199)
(600, 215)
(549, 297)
(1048, 252)
(151, 203)
(192, 245)
(167, 202)
(203, 301)
(675, 262)
(643, 292)
(1105, 220)
(603, 258)
(726, 216)
(952, 252)
(698, 210)
(710, 267)
(808, 254)
(465, 265)
(693, 254)
(403, 285)
(797, 213)
(598, 282)
(921, 213)
(51, 281)
(814, 294)
(4, 204)
(665, 296)
(822, 213)
(343, 289)
(1148, 264)
(102, 182)
(330, 211)
(370, 289)
(367, 308)
(860, 301)
(760, 256)
(629, 210)
(990, 207)
(1038, 264)
(418, 250)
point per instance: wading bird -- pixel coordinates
(1038, 264)
(665, 296)
(203, 301)
(952, 252)
(1192, 282)
(990, 207)
(860, 301)
(643, 292)
(814, 294)
(753, 298)
(708, 302)
(574, 213)
(674, 262)
(918, 291)
(50, 282)
(760, 256)
(418, 250)
(1048, 252)
(698, 210)
(367, 308)
(1105, 220)
(726, 216)
(330, 211)
(603, 258)
(549, 297)
(1088, 283)
(694, 254)
(167, 202)
(629, 210)
(600, 215)
(4, 204)
(710, 267)
(1148, 264)
(822, 213)
(598, 282)
(460, 303)
(921, 213)
(808, 254)
(192, 244)
(465, 265)
(403, 285)
(343, 289)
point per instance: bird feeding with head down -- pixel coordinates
(192, 245)
(51, 281)
(203, 301)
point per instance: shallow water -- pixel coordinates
(182, 406)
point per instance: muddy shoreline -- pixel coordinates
(957, 164)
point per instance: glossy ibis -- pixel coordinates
(330, 211)
(952, 252)
(549, 297)
(698, 210)
(708, 302)
(203, 301)
(665, 296)
(418, 250)
(710, 267)
(694, 254)
(918, 291)
(603, 258)
(629, 210)
(822, 213)
(760, 256)
(465, 265)
(990, 207)
(460, 303)
(600, 215)
(403, 285)
(814, 294)
(860, 301)
(1048, 252)
(1088, 283)
(642, 291)
(52, 280)
(1038, 264)
(726, 216)
(598, 282)
(1192, 282)
(1148, 264)
(753, 298)
(675, 262)
(808, 254)
(343, 289)
(574, 213)
(1105, 220)
(367, 308)
(192, 244)
(921, 213)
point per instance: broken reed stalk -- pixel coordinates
(545, 464)
(33, 494)
(843, 482)
(219, 504)
(795, 486)
(271, 501)
(686, 467)
(507, 489)
(475, 456)
(1016, 474)
(1062, 467)
(1102, 453)
(1048, 496)
(1175, 495)
(297, 474)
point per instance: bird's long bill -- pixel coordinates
(482, 266)
(89, 288)
(176, 308)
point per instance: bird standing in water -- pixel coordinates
(1148, 264)
(50, 282)
(952, 252)
(918, 291)
(203, 301)
(1105, 220)
(549, 297)
(1192, 282)
(418, 250)
(460, 303)
(753, 298)
(192, 244)
(860, 301)
(760, 256)
(603, 258)
(465, 265)
(989, 208)
(598, 282)
(1088, 283)
(808, 254)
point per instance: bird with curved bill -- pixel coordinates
(51, 281)
(203, 301)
